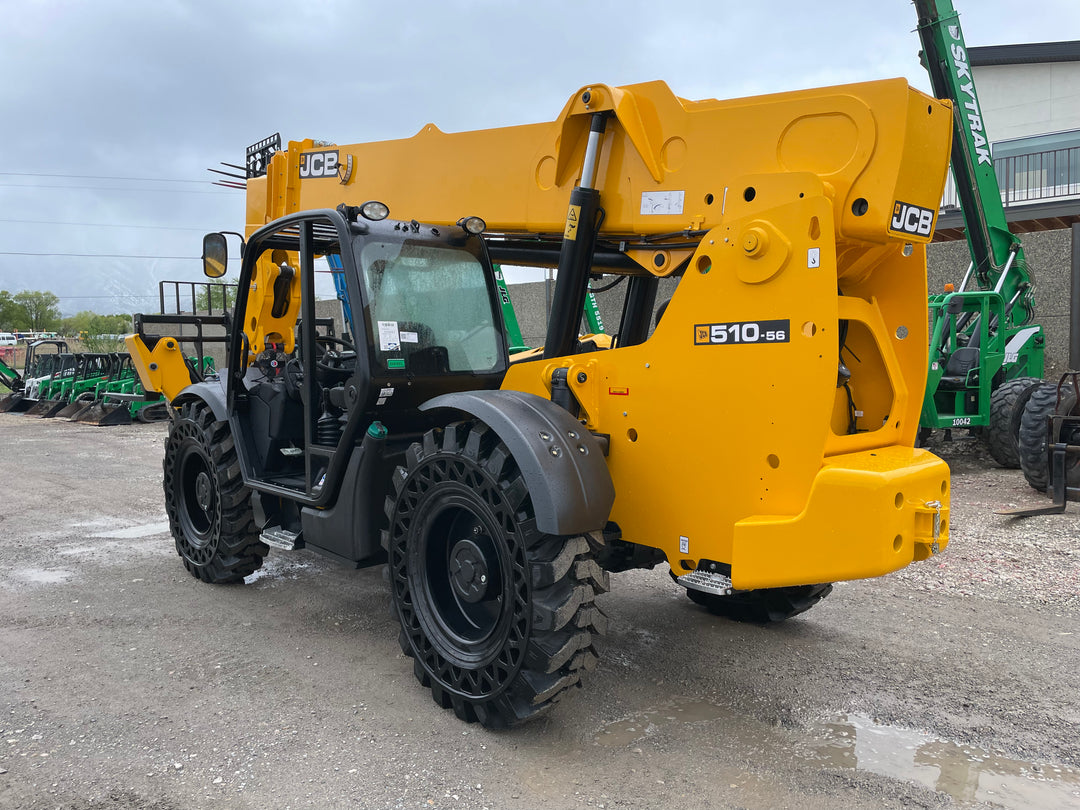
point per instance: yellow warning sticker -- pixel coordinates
(573, 216)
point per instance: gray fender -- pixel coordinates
(567, 477)
(212, 392)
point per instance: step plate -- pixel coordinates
(707, 582)
(277, 537)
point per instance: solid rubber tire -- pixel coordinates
(219, 543)
(1006, 410)
(534, 638)
(762, 605)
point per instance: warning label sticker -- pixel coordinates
(389, 339)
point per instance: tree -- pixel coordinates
(216, 297)
(13, 315)
(99, 333)
(42, 310)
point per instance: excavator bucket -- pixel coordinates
(80, 403)
(104, 413)
(16, 403)
(48, 408)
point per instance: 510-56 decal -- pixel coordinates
(742, 332)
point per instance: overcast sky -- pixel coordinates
(161, 91)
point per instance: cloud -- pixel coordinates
(168, 89)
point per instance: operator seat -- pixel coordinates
(961, 370)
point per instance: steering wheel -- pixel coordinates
(334, 355)
(330, 359)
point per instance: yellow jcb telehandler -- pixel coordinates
(759, 439)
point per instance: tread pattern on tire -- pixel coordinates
(1007, 405)
(1033, 458)
(762, 605)
(560, 617)
(236, 551)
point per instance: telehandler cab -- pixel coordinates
(759, 439)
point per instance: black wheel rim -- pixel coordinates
(196, 499)
(460, 578)
(463, 574)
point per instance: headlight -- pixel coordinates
(374, 210)
(473, 225)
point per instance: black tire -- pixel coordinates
(763, 605)
(1006, 410)
(1033, 459)
(498, 617)
(209, 507)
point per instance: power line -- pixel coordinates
(111, 297)
(106, 225)
(102, 255)
(110, 188)
(99, 177)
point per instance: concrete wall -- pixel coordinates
(1048, 256)
(1022, 100)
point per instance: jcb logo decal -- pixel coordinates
(319, 164)
(911, 219)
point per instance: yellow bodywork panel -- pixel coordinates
(273, 303)
(162, 369)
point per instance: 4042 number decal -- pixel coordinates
(742, 332)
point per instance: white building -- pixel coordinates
(1030, 102)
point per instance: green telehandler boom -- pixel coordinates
(986, 355)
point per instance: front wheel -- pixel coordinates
(498, 616)
(209, 507)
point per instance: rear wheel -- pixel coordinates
(762, 605)
(209, 507)
(498, 616)
(1006, 410)
(1033, 424)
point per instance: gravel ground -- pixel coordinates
(125, 683)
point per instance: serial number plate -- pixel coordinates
(742, 332)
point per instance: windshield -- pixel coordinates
(430, 309)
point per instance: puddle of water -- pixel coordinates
(135, 532)
(965, 773)
(681, 710)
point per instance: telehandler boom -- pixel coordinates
(986, 352)
(759, 438)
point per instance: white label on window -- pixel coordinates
(389, 340)
(409, 337)
(380, 401)
(684, 544)
(386, 392)
(662, 202)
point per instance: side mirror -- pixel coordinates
(215, 255)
